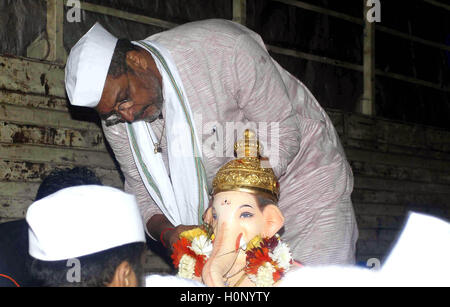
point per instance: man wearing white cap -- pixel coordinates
(147, 94)
(86, 236)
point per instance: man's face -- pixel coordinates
(130, 97)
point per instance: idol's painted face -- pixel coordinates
(133, 96)
(240, 211)
(236, 219)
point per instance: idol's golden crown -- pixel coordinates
(245, 173)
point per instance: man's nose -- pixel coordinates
(127, 115)
(125, 110)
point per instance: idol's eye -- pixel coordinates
(214, 216)
(246, 215)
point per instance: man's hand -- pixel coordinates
(159, 224)
(173, 235)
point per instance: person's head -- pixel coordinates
(59, 179)
(132, 88)
(86, 236)
(114, 76)
(118, 266)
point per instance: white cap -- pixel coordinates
(87, 66)
(82, 220)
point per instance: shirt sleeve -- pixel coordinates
(263, 98)
(117, 137)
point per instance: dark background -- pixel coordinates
(295, 28)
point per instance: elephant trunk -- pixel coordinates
(223, 256)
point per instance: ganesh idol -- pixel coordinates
(238, 244)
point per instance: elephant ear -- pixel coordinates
(207, 216)
(273, 220)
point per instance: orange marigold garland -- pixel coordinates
(267, 261)
(191, 252)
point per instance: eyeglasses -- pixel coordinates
(113, 118)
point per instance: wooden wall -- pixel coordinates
(398, 167)
(39, 132)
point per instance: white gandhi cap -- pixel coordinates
(87, 66)
(82, 220)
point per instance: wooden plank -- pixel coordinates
(383, 171)
(23, 171)
(322, 10)
(22, 75)
(54, 30)
(337, 118)
(404, 78)
(418, 140)
(356, 154)
(33, 101)
(240, 11)
(397, 133)
(437, 139)
(49, 154)
(402, 186)
(125, 15)
(397, 211)
(412, 38)
(367, 103)
(30, 134)
(379, 209)
(438, 4)
(370, 247)
(49, 118)
(409, 200)
(378, 234)
(412, 136)
(313, 57)
(360, 127)
(380, 221)
(370, 146)
(21, 190)
(14, 207)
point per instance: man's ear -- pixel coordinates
(137, 61)
(273, 220)
(124, 276)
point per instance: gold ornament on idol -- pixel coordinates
(246, 174)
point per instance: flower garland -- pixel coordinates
(267, 260)
(191, 252)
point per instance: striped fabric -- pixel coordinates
(230, 78)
